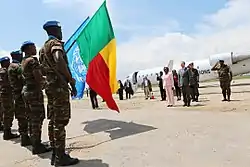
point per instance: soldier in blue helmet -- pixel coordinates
(16, 82)
(6, 99)
(57, 78)
(33, 95)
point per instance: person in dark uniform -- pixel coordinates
(87, 92)
(185, 85)
(58, 79)
(225, 78)
(93, 98)
(194, 82)
(16, 82)
(162, 90)
(6, 100)
(176, 85)
(1, 117)
(128, 89)
(120, 90)
(33, 95)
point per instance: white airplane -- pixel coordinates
(238, 62)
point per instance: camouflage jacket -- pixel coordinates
(5, 87)
(224, 73)
(29, 64)
(53, 77)
(15, 77)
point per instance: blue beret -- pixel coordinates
(51, 24)
(26, 43)
(17, 52)
(5, 58)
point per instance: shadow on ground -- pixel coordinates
(116, 129)
(91, 163)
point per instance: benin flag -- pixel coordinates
(97, 46)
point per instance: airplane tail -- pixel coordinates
(170, 65)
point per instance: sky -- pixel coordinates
(148, 32)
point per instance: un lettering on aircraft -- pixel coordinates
(204, 71)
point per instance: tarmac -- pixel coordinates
(146, 133)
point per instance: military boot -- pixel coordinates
(25, 140)
(7, 135)
(39, 148)
(63, 159)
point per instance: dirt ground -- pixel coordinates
(146, 133)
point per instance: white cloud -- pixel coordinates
(3, 53)
(226, 30)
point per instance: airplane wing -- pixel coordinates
(170, 65)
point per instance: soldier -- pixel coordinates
(225, 77)
(57, 78)
(16, 82)
(194, 82)
(6, 99)
(45, 69)
(33, 95)
(1, 117)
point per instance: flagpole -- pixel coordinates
(74, 34)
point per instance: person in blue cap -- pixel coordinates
(16, 82)
(57, 78)
(6, 99)
(33, 95)
(225, 78)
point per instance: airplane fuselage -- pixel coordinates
(238, 62)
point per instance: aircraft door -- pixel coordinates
(134, 78)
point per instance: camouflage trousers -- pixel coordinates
(59, 115)
(36, 111)
(21, 114)
(226, 88)
(8, 112)
(1, 114)
(50, 117)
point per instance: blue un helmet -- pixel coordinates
(51, 24)
(16, 53)
(26, 43)
(5, 58)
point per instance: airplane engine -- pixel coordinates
(227, 57)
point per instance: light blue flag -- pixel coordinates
(76, 65)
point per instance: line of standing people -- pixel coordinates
(21, 85)
(185, 81)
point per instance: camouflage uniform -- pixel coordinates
(34, 100)
(225, 80)
(57, 89)
(16, 82)
(49, 98)
(1, 117)
(6, 104)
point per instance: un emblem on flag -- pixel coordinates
(78, 65)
